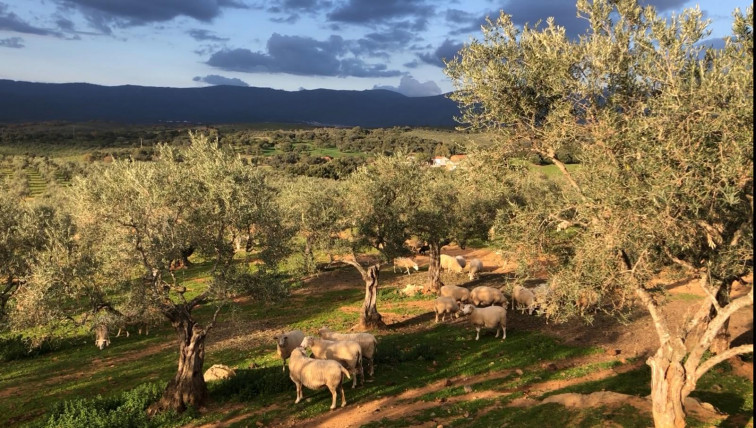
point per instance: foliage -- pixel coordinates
(664, 126)
(125, 410)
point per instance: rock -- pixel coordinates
(259, 423)
(468, 389)
(219, 372)
(519, 372)
(448, 382)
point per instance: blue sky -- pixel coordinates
(281, 44)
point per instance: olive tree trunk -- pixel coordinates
(678, 363)
(187, 388)
(434, 268)
(369, 316)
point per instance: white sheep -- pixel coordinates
(449, 263)
(491, 317)
(487, 296)
(404, 263)
(445, 305)
(287, 342)
(367, 342)
(523, 297)
(460, 294)
(102, 336)
(461, 260)
(316, 374)
(474, 267)
(347, 352)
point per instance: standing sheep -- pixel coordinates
(287, 342)
(347, 352)
(460, 294)
(445, 305)
(449, 263)
(367, 342)
(316, 374)
(487, 296)
(404, 263)
(491, 317)
(474, 267)
(523, 297)
(102, 336)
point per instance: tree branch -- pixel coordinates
(662, 330)
(713, 361)
(353, 262)
(197, 300)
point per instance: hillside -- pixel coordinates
(35, 102)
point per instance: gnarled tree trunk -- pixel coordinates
(434, 268)
(369, 316)
(667, 381)
(187, 388)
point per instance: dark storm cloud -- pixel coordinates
(298, 55)
(205, 36)
(375, 44)
(12, 42)
(447, 50)
(378, 11)
(9, 21)
(103, 14)
(214, 79)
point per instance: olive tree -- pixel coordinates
(130, 220)
(664, 131)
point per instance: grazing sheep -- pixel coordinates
(404, 263)
(474, 267)
(286, 342)
(316, 374)
(445, 305)
(490, 317)
(347, 352)
(449, 263)
(460, 294)
(487, 296)
(367, 342)
(102, 336)
(523, 297)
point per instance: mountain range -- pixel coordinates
(76, 102)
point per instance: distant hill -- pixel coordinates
(76, 102)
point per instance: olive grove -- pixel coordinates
(663, 129)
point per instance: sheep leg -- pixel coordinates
(354, 372)
(477, 336)
(283, 368)
(362, 373)
(299, 392)
(503, 332)
(343, 398)
(372, 367)
(436, 317)
(334, 393)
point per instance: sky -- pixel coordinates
(281, 44)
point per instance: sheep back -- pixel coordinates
(287, 342)
(367, 341)
(450, 263)
(486, 296)
(460, 294)
(489, 317)
(314, 373)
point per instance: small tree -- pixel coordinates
(131, 220)
(664, 128)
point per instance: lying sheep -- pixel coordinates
(490, 317)
(347, 352)
(316, 374)
(449, 263)
(460, 294)
(487, 296)
(523, 297)
(367, 342)
(461, 260)
(474, 267)
(445, 305)
(286, 342)
(404, 263)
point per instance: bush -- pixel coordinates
(129, 409)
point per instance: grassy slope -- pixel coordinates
(421, 354)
